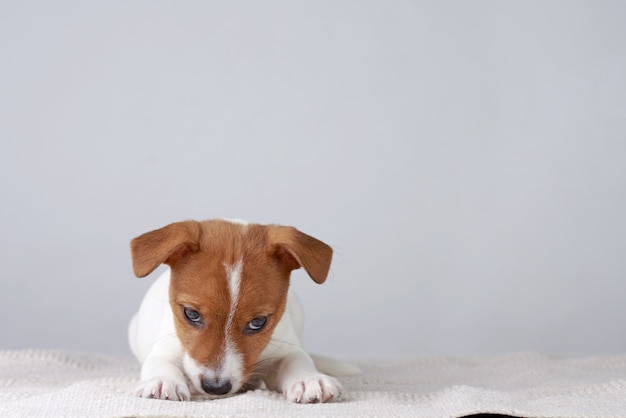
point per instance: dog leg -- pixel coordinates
(161, 373)
(296, 377)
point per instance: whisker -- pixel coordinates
(263, 363)
(278, 341)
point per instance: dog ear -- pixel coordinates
(165, 245)
(295, 249)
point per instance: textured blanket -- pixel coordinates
(65, 384)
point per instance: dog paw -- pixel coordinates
(163, 388)
(314, 388)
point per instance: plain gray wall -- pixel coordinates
(467, 161)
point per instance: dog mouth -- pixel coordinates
(215, 382)
(213, 388)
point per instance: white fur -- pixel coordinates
(285, 366)
(234, 280)
(229, 369)
(237, 221)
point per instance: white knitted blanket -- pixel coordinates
(65, 384)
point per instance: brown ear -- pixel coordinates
(296, 249)
(163, 245)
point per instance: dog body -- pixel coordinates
(222, 319)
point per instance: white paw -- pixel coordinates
(163, 388)
(314, 388)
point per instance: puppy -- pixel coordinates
(222, 320)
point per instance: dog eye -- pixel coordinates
(193, 316)
(255, 325)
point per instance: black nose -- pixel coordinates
(216, 386)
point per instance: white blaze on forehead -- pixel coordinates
(234, 281)
(232, 362)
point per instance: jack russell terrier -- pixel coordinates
(222, 320)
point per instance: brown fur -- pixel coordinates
(198, 252)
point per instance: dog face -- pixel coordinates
(228, 291)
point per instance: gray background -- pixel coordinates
(465, 159)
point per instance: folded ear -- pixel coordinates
(296, 249)
(165, 245)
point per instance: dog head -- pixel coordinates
(228, 290)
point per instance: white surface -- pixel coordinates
(465, 160)
(46, 383)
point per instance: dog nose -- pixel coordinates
(216, 386)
